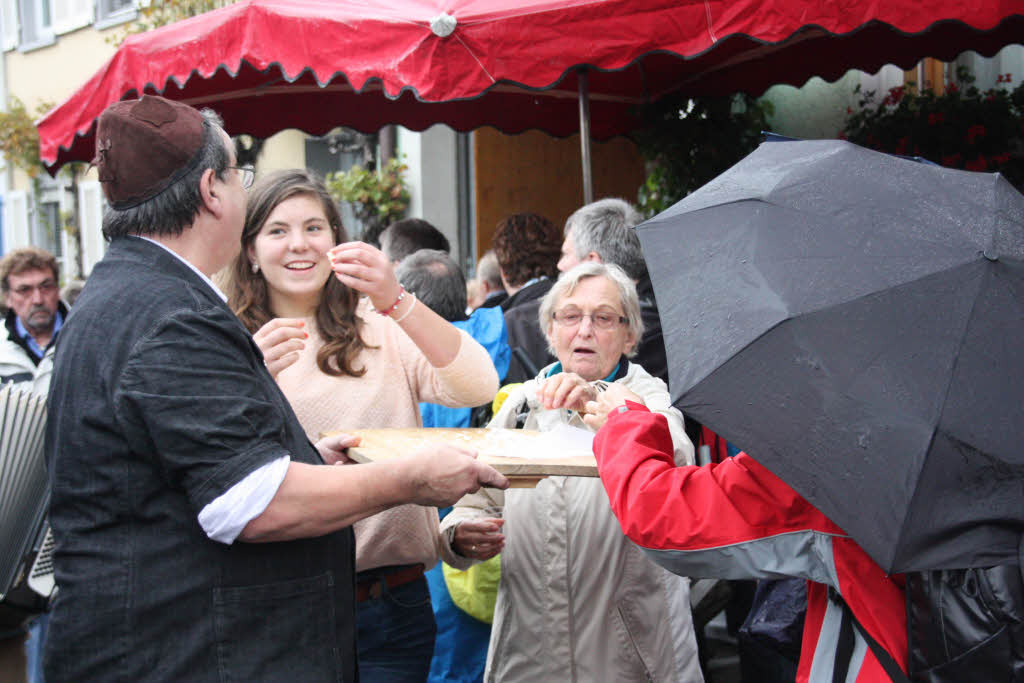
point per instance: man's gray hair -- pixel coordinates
(487, 270)
(567, 283)
(436, 280)
(171, 211)
(606, 228)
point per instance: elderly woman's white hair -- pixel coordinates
(571, 278)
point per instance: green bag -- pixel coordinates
(475, 590)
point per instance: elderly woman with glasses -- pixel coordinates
(577, 601)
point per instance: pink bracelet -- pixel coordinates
(390, 309)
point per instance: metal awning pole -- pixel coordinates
(584, 97)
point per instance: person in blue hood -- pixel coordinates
(438, 282)
(460, 649)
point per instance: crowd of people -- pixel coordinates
(207, 529)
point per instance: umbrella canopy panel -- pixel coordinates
(852, 320)
(267, 65)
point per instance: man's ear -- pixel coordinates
(210, 190)
(593, 256)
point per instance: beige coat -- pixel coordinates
(578, 602)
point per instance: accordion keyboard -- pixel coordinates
(40, 578)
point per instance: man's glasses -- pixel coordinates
(247, 175)
(44, 287)
(602, 320)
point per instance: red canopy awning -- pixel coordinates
(268, 65)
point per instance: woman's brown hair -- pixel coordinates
(336, 317)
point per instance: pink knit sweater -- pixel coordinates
(397, 378)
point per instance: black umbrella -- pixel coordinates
(855, 321)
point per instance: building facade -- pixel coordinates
(464, 183)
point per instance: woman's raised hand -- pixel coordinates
(566, 390)
(280, 340)
(366, 269)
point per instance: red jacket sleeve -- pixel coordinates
(735, 519)
(661, 506)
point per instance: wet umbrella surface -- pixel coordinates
(854, 321)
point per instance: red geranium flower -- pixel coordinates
(978, 164)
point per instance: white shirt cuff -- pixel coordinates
(224, 518)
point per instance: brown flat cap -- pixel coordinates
(143, 146)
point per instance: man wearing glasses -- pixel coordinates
(30, 281)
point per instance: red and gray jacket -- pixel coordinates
(736, 520)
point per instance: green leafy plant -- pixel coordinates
(19, 139)
(19, 143)
(162, 12)
(378, 198)
(963, 127)
(688, 141)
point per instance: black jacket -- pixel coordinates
(966, 625)
(525, 338)
(160, 402)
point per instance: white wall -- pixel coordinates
(818, 109)
(283, 150)
(1009, 60)
(432, 178)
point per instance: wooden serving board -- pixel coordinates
(378, 445)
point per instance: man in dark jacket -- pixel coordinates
(30, 281)
(199, 535)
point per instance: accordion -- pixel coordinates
(24, 496)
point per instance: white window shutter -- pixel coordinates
(71, 14)
(9, 21)
(90, 211)
(15, 220)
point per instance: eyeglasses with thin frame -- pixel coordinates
(44, 287)
(248, 176)
(602, 320)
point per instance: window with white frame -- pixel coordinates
(36, 23)
(9, 23)
(46, 226)
(109, 12)
(69, 15)
(16, 233)
(90, 214)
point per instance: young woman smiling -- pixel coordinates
(347, 362)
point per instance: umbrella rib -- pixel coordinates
(711, 27)
(945, 398)
(475, 59)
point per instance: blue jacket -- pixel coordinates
(487, 326)
(460, 649)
